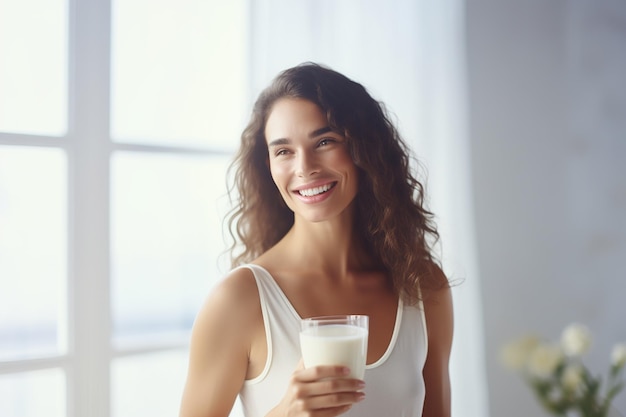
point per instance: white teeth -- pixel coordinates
(315, 191)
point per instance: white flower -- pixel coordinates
(572, 378)
(514, 355)
(543, 360)
(618, 355)
(575, 340)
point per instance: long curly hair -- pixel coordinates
(398, 231)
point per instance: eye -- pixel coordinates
(281, 152)
(326, 141)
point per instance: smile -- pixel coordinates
(310, 192)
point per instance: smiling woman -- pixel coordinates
(333, 223)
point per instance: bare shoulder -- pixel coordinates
(220, 345)
(437, 302)
(237, 283)
(234, 298)
(438, 311)
(229, 313)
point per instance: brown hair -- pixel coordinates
(389, 207)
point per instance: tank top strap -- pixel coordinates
(272, 295)
(281, 322)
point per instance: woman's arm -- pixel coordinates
(439, 322)
(220, 342)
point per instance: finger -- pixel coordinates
(342, 410)
(332, 401)
(303, 390)
(333, 412)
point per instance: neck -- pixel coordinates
(331, 247)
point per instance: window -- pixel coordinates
(117, 122)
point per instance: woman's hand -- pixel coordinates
(321, 391)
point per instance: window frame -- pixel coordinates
(89, 148)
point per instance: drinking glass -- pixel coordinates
(336, 340)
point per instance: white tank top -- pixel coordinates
(394, 386)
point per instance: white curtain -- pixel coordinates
(410, 55)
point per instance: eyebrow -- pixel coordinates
(320, 131)
(313, 134)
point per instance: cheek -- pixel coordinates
(277, 171)
(345, 161)
(350, 169)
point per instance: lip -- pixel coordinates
(312, 185)
(318, 197)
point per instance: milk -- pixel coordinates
(335, 344)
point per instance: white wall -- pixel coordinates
(547, 87)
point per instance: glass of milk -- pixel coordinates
(335, 340)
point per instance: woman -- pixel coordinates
(331, 221)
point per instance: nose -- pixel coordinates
(306, 164)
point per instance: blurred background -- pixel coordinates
(118, 119)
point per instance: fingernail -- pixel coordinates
(360, 397)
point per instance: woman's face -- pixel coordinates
(309, 163)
